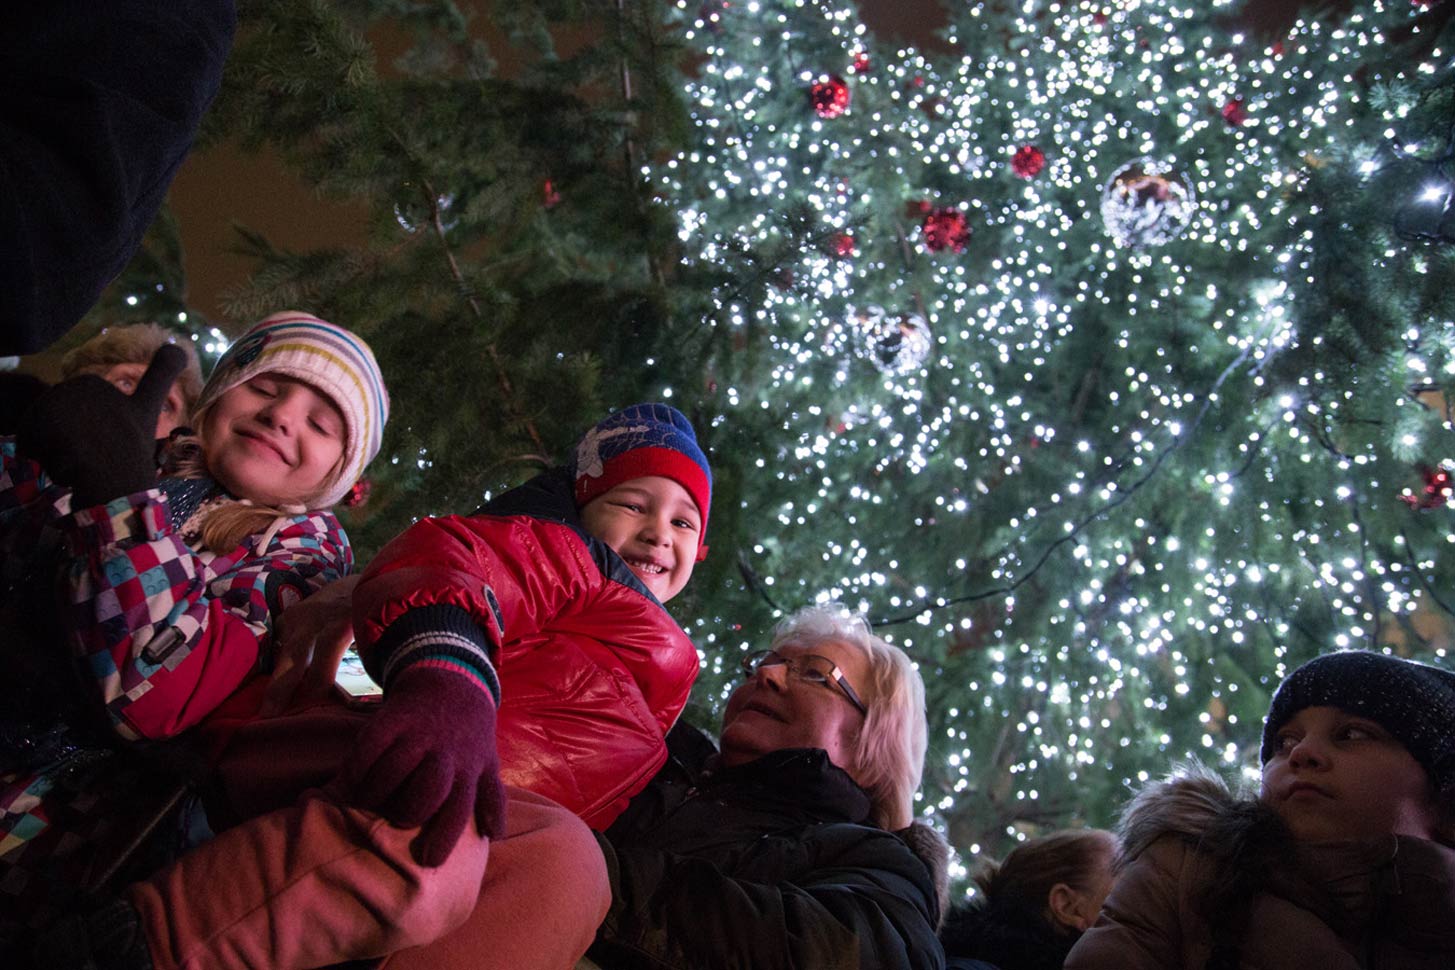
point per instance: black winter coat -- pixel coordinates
(987, 937)
(763, 866)
(99, 103)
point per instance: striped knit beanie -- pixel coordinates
(643, 440)
(329, 359)
(1414, 702)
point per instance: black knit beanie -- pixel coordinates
(1414, 702)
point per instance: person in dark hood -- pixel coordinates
(102, 103)
(1033, 905)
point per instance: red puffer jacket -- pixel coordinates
(593, 671)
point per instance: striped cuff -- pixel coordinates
(441, 637)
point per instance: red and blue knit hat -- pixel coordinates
(643, 440)
(322, 355)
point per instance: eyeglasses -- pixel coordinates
(809, 668)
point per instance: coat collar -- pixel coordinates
(1397, 884)
(802, 779)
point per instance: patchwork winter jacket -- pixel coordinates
(590, 670)
(124, 633)
(770, 865)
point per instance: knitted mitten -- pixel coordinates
(427, 757)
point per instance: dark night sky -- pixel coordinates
(218, 186)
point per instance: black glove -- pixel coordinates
(90, 436)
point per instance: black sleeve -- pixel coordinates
(866, 905)
(99, 103)
(549, 495)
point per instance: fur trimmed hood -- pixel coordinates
(1198, 805)
(932, 849)
(1210, 877)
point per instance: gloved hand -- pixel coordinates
(90, 436)
(427, 757)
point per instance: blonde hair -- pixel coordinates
(135, 343)
(889, 758)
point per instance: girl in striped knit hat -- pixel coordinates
(170, 586)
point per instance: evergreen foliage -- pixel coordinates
(506, 322)
(1127, 490)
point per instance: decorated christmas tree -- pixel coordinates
(1100, 356)
(1114, 384)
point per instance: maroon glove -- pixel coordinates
(427, 757)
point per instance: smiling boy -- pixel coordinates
(558, 586)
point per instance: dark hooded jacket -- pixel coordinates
(100, 105)
(1214, 881)
(766, 865)
(989, 937)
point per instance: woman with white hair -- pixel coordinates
(790, 847)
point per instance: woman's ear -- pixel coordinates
(1069, 908)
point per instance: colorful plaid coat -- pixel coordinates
(162, 633)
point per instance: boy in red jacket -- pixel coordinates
(524, 652)
(596, 673)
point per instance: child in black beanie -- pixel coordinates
(1345, 860)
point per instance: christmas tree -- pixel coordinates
(1101, 358)
(1115, 384)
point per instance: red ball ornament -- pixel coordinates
(1277, 49)
(843, 245)
(1235, 113)
(358, 494)
(550, 198)
(862, 64)
(1436, 491)
(830, 96)
(1028, 161)
(946, 228)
